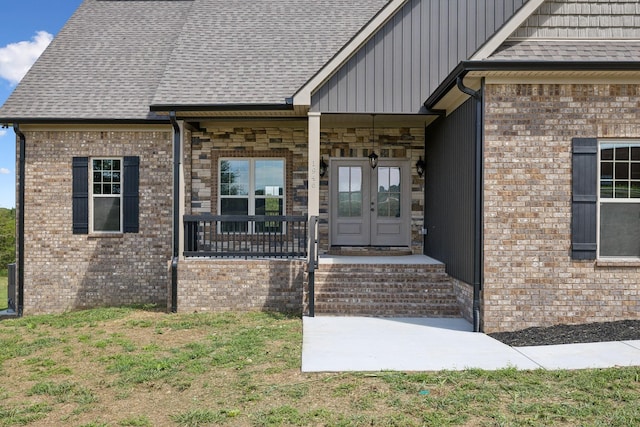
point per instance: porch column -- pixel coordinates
(313, 191)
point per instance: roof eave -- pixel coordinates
(79, 121)
(464, 67)
(220, 107)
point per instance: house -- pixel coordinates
(201, 153)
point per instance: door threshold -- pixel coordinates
(370, 251)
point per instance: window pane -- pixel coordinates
(235, 174)
(97, 177)
(620, 229)
(116, 165)
(606, 170)
(107, 165)
(622, 170)
(635, 170)
(606, 189)
(622, 153)
(106, 188)
(269, 177)
(97, 165)
(234, 207)
(106, 214)
(621, 190)
(115, 176)
(269, 206)
(606, 152)
(635, 153)
(634, 190)
(97, 188)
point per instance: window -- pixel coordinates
(251, 187)
(105, 195)
(619, 199)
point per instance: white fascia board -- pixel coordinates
(303, 95)
(490, 46)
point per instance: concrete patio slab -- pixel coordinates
(338, 344)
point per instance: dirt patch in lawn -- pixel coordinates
(624, 330)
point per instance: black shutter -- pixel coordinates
(80, 188)
(130, 196)
(584, 198)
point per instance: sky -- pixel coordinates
(27, 29)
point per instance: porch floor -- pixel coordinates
(378, 259)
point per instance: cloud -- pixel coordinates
(4, 171)
(17, 58)
(3, 132)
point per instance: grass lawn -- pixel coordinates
(4, 281)
(135, 367)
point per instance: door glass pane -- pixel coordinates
(106, 214)
(389, 192)
(619, 229)
(349, 191)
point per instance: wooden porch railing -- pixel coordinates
(245, 236)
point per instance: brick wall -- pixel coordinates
(209, 145)
(529, 277)
(223, 285)
(64, 271)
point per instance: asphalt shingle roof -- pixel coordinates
(258, 51)
(115, 58)
(568, 50)
(106, 63)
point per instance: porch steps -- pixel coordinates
(385, 290)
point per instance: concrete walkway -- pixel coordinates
(338, 344)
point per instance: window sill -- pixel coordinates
(632, 263)
(105, 235)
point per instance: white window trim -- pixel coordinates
(600, 200)
(251, 191)
(91, 196)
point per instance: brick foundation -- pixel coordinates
(223, 285)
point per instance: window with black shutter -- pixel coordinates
(105, 195)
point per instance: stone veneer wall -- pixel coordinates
(223, 285)
(246, 140)
(64, 271)
(529, 277)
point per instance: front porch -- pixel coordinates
(231, 268)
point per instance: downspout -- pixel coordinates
(21, 175)
(477, 202)
(176, 211)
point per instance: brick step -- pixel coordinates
(387, 310)
(379, 268)
(385, 288)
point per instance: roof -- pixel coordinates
(106, 63)
(116, 58)
(569, 50)
(257, 52)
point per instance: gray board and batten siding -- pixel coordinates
(449, 191)
(405, 61)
